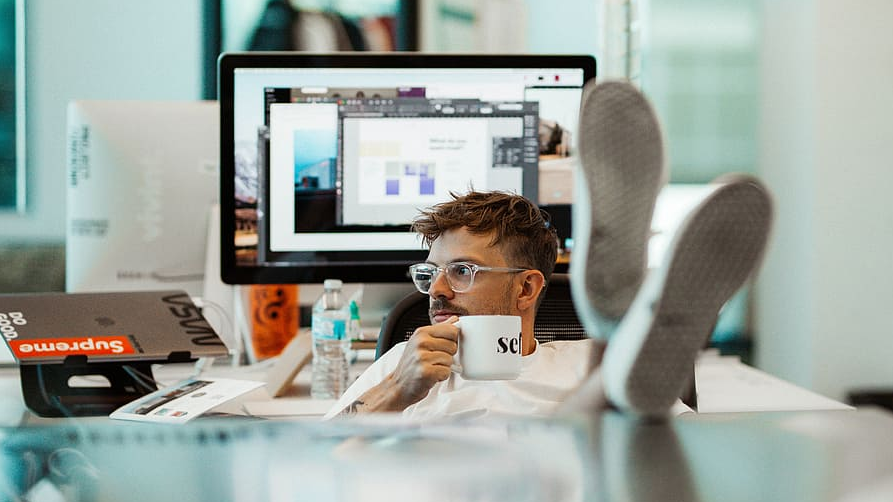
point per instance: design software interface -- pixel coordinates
(343, 159)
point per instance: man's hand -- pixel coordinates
(426, 360)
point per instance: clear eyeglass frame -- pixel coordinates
(459, 274)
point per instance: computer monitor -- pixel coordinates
(142, 177)
(327, 158)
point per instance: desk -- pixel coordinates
(783, 455)
(296, 404)
(787, 456)
(724, 385)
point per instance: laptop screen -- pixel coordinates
(331, 157)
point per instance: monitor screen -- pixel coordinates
(326, 159)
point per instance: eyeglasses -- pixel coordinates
(459, 275)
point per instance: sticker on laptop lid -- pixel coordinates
(63, 347)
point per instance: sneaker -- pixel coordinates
(622, 170)
(650, 360)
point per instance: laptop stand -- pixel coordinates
(86, 354)
(48, 390)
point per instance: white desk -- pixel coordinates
(787, 455)
(296, 404)
(724, 385)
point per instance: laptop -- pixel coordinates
(153, 326)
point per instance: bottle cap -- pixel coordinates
(332, 284)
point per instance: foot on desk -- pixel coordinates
(621, 172)
(651, 356)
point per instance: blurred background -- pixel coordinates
(794, 91)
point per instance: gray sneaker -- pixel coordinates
(621, 171)
(650, 359)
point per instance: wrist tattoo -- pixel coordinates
(352, 408)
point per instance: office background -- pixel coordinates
(795, 91)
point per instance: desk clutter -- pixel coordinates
(114, 337)
(92, 354)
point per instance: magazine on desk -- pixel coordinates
(184, 400)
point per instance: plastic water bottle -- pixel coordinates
(330, 342)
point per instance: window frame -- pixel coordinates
(17, 203)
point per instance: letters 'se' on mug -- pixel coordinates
(489, 347)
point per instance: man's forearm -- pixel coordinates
(384, 397)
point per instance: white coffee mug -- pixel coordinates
(490, 347)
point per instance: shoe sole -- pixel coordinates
(650, 361)
(621, 172)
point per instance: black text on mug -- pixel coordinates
(505, 344)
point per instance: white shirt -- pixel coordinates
(547, 376)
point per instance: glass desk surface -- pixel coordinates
(790, 456)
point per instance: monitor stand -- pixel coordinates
(218, 299)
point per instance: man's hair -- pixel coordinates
(521, 230)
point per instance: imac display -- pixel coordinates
(326, 159)
(142, 178)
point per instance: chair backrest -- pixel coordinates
(556, 318)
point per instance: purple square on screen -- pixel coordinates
(426, 186)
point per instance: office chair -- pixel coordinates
(556, 318)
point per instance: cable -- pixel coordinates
(147, 382)
(54, 400)
(229, 325)
(202, 365)
(62, 463)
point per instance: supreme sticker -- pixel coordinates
(62, 347)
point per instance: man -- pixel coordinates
(490, 253)
(653, 328)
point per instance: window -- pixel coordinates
(702, 75)
(11, 170)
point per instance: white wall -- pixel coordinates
(825, 298)
(565, 27)
(95, 49)
(130, 49)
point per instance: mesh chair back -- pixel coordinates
(556, 318)
(402, 321)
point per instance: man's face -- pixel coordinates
(491, 292)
